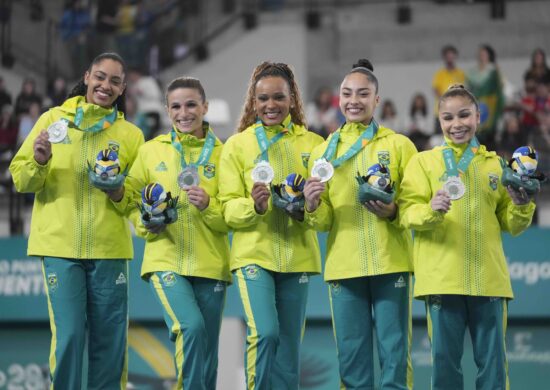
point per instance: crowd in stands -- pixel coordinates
(147, 34)
(509, 120)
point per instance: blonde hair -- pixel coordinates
(271, 69)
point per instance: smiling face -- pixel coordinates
(358, 98)
(186, 110)
(459, 119)
(272, 100)
(104, 82)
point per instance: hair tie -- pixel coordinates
(362, 68)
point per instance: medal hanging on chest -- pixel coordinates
(189, 175)
(454, 186)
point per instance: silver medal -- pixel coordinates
(57, 131)
(454, 187)
(263, 173)
(323, 170)
(188, 177)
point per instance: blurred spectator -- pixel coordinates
(8, 129)
(485, 82)
(136, 117)
(528, 104)
(542, 101)
(26, 97)
(148, 95)
(538, 69)
(321, 115)
(419, 125)
(513, 136)
(105, 25)
(27, 121)
(125, 32)
(540, 139)
(169, 22)
(56, 92)
(445, 77)
(144, 18)
(388, 117)
(5, 97)
(74, 28)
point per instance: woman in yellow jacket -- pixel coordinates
(80, 235)
(368, 261)
(273, 252)
(453, 199)
(186, 259)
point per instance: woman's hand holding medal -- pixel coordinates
(198, 197)
(42, 148)
(312, 193)
(260, 193)
(441, 202)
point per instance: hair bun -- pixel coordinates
(456, 86)
(363, 63)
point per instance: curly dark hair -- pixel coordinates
(271, 69)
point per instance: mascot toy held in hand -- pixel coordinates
(375, 185)
(289, 195)
(157, 206)
(106, 173)
(521, 170)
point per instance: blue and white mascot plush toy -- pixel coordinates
(157, 206)
(375, 185)
(106, 174)
(521, 170)
(289, 195)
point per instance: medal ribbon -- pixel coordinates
(366, 136)
(454, 169)
(102, 124)
(263, 142)
(206, 151)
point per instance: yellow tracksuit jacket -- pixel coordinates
(197, 243)
(273, 241)
(71, 218)
(460, 252)
(359, 243)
